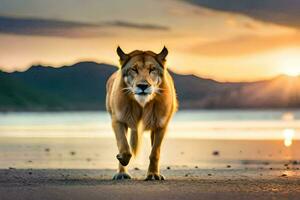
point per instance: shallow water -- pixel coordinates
(204, 139)
(228, 124)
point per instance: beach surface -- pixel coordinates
(56, 184)
(206, 155)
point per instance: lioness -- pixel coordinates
(140, 96)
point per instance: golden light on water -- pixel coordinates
(288, 136)
(288, 116)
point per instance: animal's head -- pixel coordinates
(142, 72)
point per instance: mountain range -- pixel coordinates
(82, 87)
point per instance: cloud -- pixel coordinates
(57, 28)
(138, 26)
(43, 27)
(243, 45)
(282, 12)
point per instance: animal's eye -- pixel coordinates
(152, 69)
(135, 70)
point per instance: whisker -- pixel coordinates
(160, 89)
(157, 91)
(126, 88)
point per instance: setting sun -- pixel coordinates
(289, 63)
(292, 71)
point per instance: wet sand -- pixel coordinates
(55, 184)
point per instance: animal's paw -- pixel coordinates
(124, 158)
(154, 177)
(121, 176)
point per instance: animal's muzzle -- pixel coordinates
(143, 89)
(143, 86)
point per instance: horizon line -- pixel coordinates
(71, 64)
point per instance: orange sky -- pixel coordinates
(207, 40)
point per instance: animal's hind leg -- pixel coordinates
(124, 155)
(156, 140)
(152, 138)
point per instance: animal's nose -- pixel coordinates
(143, 86)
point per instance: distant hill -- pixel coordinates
(77, 87)
(82, 87)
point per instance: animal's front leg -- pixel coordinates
(122, 173)
(156, 140)
(124, 155)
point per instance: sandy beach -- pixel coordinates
(58, 184)
(60, 156)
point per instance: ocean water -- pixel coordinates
(204, 139)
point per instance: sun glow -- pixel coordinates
(289, 63)
(292, 71)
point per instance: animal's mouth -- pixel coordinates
(142, 93)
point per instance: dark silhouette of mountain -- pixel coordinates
(77, 87)
(82, 87)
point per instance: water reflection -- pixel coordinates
(288, 116)
(288, 136)
(288, 132)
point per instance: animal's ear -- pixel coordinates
(123, 56)
(162, 55)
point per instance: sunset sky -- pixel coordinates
(228, 40)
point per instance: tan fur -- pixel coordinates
(126, 112)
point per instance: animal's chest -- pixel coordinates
(151, 117)
(150, 120)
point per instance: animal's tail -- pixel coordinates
(135, 141)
